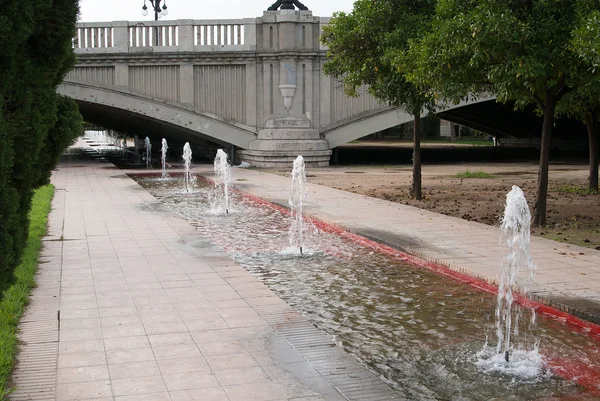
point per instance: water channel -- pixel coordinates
(421, 332)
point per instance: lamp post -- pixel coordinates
(158, 10)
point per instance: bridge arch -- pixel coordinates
(378, 120)
(103, 102)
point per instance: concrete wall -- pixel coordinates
(221, 90)
(104, 75)
(159, 81)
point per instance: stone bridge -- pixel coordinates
(254, 83)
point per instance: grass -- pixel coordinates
(577, 190)
(474, 174)
(15, 297)
(464, 141)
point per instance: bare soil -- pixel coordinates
(573, 214)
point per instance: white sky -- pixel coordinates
(121, 10)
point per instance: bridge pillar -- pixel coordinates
(289, 41)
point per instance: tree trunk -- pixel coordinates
(452, 132)
(416, 170)
(592, 128)
(539, 211)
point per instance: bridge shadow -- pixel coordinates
(402, 155)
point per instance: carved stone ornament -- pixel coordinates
(287, 91)
(287, 5)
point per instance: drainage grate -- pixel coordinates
(34, 376)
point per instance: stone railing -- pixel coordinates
(166, 36)
(221, 33)
(93, 35)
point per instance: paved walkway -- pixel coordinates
(132, 304)
(567, 277)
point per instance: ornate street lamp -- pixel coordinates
(158, 10)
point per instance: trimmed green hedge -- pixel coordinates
(36, 124)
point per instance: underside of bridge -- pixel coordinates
(131, 123)
(501, 120)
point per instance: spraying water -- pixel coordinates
(189, 179)
(124, 146)
(222, 181)
(136, 147)
(296, 202)
(148, 146)
(163, 158)
(515, 237)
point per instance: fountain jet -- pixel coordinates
(515, 237)
(163, 151)
(148, 146)
(296, 202)
(222, 180)
(189, 179)
(136, 147)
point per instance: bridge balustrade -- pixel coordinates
(148, 36)
(93, 35)
(172, 36)
(225, 33)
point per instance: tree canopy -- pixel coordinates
(369, 47)
(520, 51)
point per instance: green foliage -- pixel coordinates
(65, 132)
(517, 50)
(14, 298)
(368, 47)
(36, 42)
(586, 37)
(474, 174)
(520, 51)
(585, 43)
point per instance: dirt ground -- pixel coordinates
(573, 214)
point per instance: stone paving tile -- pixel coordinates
(87, 390)
(133, 370)
(205, 394)
(257, 391)
(145, 397)
(236, 376)
(83, 374)
(183, 365)
(138, 385)
(190, 380)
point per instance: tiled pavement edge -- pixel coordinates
(132, 304)
(567, 277)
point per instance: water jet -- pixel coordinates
(296, 203)
(163, 159)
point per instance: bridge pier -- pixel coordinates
(283, 140)
(289, 128)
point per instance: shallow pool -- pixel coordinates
(421, 332)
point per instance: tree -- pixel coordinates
(518, 50)
(584, 103)
(36, 42)
(369, 47)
